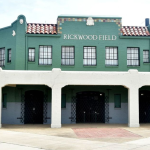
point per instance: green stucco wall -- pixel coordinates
(14, 93)
(72, 90)
(22, 41)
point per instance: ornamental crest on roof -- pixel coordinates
(90, 21)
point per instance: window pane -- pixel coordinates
(71, 49)
(71, 55)
(67, 55)
(9, 55)
(89, 56)
(146, 56)
(31, 55)
(45, 55)
(133, 57)
(111, 56)
(2, 57)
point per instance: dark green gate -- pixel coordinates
(144, 106)
(90, 107)
(34, 107)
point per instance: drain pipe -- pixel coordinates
(148, 27)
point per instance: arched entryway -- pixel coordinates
(90, 107)
(33, 112)
(144, 106)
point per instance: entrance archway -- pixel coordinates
(33, 112)
(144, 106)
(90, 107)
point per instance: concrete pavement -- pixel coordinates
(38, 137)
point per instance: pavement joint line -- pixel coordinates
(22, 145)
(134, 133)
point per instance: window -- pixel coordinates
(4, 100)
(2, 57)
(117, 101)
(63, 101)
(111, 57)
(89, 56)
(67, 55)
(9, 55)
(146, 56)
(45, 55)
(133, 57)
(31, 55)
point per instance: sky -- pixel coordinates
(133, 12)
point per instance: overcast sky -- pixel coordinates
(133, 12)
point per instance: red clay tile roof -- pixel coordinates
(35, 28)
(134, 31)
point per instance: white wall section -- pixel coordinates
(56, 79)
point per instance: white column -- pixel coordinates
(0, 107)
(56, 107)
(133, 107)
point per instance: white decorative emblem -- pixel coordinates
(21, 21)
(51, 28)
(14, 33)
(90, 21)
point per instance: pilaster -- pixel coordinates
(56, 107)
(133, 107)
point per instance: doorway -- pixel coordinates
(33, 113)
(90, 107)
(144, 106)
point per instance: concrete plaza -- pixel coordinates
(75, 137)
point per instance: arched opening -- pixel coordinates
(33, 112)
(144, 106)
(26, 104)
(94, 104)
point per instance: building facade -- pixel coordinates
(80, 70)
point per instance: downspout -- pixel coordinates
(26, 65)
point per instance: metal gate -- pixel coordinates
(144, 106)
(90, 107)
(44, 109)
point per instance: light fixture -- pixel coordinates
(100, 94)
(142, 94)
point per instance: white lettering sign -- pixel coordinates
(89, 37)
